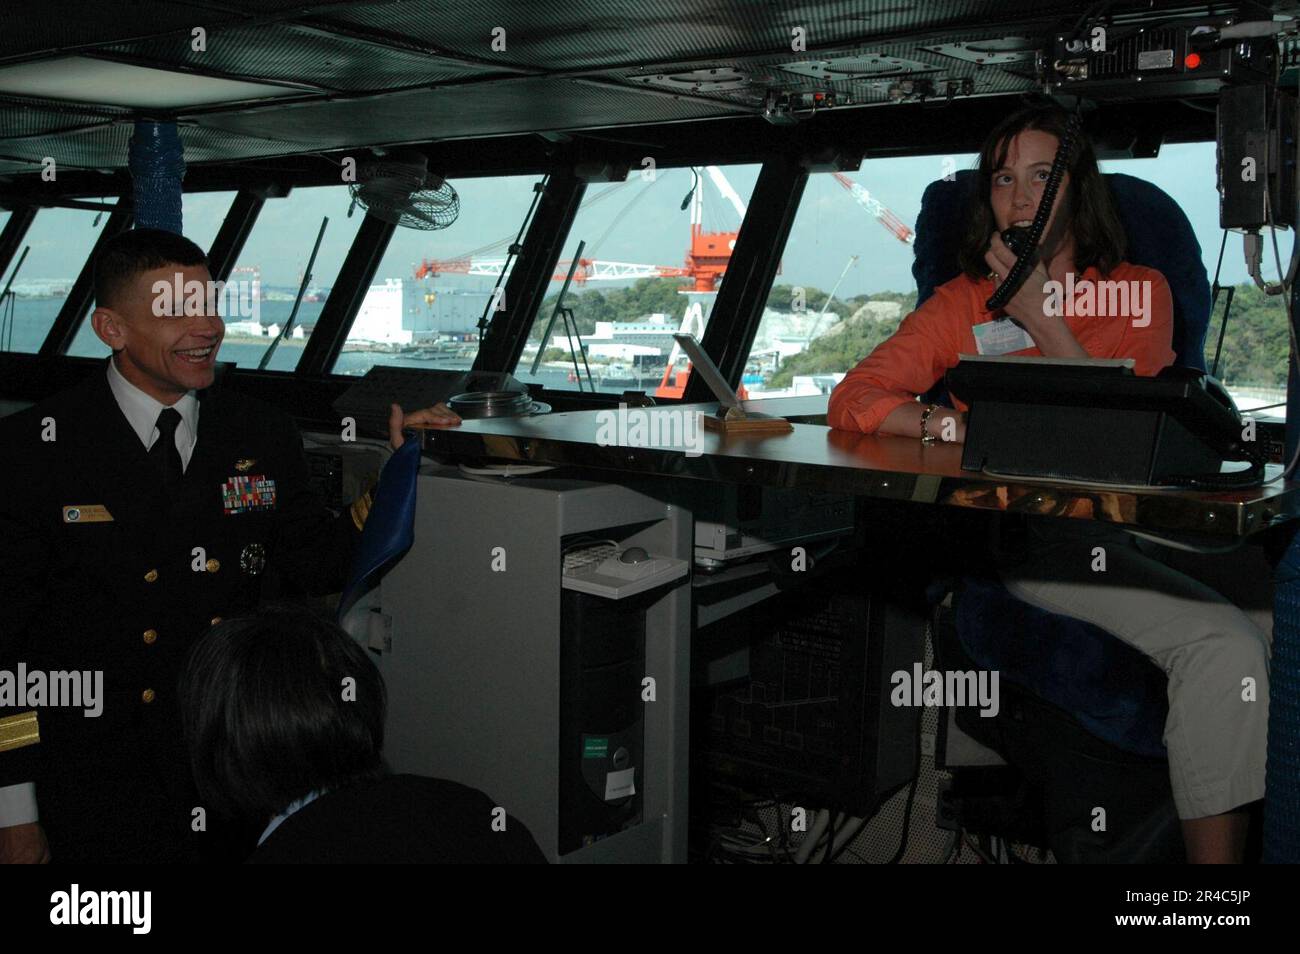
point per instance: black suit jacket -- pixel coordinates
(406, 819)
(123, 596)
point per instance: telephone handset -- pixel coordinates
(1218, 422)
(1210, 384)
(1026, 240)
(1016, 238)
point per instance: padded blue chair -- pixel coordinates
(1063, 660)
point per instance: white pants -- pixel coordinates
(1214, 651)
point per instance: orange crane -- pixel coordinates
(874, 206)
(707, 258)
(870, 203)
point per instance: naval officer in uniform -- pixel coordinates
(136, 509)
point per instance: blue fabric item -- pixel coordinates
(281, 818)
(157, 164)
(390, 526)
(1282, 778)
(1109, 687)
(1112, 689)
(1282, 775)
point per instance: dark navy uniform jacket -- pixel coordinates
(130, 595)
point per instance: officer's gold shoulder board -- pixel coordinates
(18, 731)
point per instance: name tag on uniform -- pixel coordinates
(1001, 337)
(86, 513)
(241, 494)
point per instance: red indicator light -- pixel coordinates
(1192, 60)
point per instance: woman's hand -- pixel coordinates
(945, 424)
(1028, 305)
(1029, 308)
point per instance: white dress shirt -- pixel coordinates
(18, 802)
(142, 412)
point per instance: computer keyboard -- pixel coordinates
(588, 556)
(599, 571)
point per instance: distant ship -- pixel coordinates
(291, 294)
(620, 376)
(39, 289)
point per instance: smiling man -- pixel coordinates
(139, 508)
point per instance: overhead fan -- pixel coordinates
(401, 189)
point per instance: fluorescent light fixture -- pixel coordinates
(82, 79)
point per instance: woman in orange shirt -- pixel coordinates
(1082, 246)
(1216, 732)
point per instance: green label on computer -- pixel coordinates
(595, 748)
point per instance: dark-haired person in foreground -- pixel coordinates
(284, 718)
(1216, 657)
(136, 509)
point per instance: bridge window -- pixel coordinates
(846, 275)
(431, 289)
(654, 250)
(266, 278)
(270, 270)
(59, 241)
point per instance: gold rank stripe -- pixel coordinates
(18, 731)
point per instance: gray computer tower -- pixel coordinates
(492, 665)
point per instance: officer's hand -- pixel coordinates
(24, 845)
(437, 416)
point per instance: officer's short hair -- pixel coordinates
(270, 714)
(127, 256)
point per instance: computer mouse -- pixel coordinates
(633, 555)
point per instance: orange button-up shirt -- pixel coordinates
(931, 340)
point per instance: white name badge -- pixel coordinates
(1001, 337)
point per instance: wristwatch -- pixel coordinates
(926, 436)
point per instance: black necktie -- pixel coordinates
(164, 453)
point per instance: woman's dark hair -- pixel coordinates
(269, 715)
(1098, 233)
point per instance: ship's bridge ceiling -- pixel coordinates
(257, 79)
